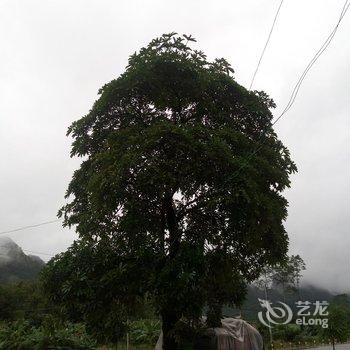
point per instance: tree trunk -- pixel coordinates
(169, 318)
(214, 315)
(333, 343)
(172, 224)
(168, 323)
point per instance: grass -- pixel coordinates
(122, 346)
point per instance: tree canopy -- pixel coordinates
(285, 275)
(338, 329)
(181, 178)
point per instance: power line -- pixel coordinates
(296, 89)
(41, 253)
(267, 42)
(302, 77)
(29, 226)
(287, 108)
(312, 62)
(26, 250)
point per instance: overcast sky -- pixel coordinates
(55, 55)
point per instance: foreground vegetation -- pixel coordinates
(50, 334)
(28, 320)
(55, 334)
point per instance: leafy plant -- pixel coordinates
(144, 331)
(20, 335)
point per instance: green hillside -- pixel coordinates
(15, 265)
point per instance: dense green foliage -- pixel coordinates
(178, 195)
(22, 335)
(338, 320)
(24, 300)
(29, 321)
(144, 331)
(98, 288)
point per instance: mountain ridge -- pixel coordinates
(15, 265)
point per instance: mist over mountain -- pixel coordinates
(251, 306)
(15, 265)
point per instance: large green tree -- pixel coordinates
(181, 177)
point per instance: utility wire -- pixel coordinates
(26, 250)
(312, 62)
(29, 226)
(41, 253)
(301, 79)
(266, 44)
(246, 161)
(286, 109)
(31, 252)
(26, 228)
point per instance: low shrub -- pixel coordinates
(21, 335)
(144, 331)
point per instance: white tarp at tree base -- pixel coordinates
(235, 334)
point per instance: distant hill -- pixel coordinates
(251, 306)
(15, 265)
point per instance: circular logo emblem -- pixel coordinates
(274, 315)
